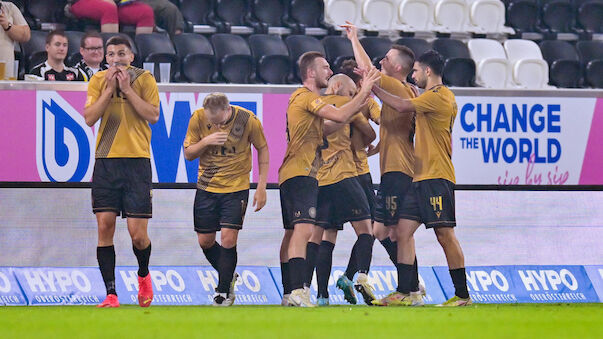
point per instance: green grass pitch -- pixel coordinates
(481, 321)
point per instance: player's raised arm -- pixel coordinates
(399, 104)
(363, 60)
(364, 127)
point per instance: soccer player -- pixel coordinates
(221, 135)
(430, 199)
(341, 198)
(396, 152)
(297, 175)
(54, 69)
(126, 100)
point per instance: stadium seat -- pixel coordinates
(34, 50)
(523, 16)
(298, 45)
(47, 14)
(337, 12)
(234, 58)
(379, 15)
(269, 13)
(73, 51)
(590, 16)
(557, 16)
(529, 70)
(337, 50)
(376, 48)
(157, 48)
(487, 16)
(564, 65)
(450, 16)
(307, 17)
(271, 58)
(197, 59)
(459, 68)
(196, 12)
(591, 56)
(491, 62)
(232, 14)
(415, 16)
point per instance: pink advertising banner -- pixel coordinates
(497, 140)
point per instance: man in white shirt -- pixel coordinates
(14, 29)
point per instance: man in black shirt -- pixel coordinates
(92, 51)
(54, 68)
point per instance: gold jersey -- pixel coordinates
(436, 110)
(337, 157)
(396, 152)
(225, 168)
(304, 135)
(358, 149)
(374, 109)
(123, 133)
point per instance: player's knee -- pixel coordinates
(206, 242)
(140, 241)
(229, 240)
(445, 235)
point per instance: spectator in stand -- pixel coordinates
(111, 13)
(14, 29)
(54, 68)
(92, 51)
(167, 16)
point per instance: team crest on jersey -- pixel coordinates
(64, 143)
(51, 77)
(70, 76)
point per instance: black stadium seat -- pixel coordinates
(234, 57)
(338, 49)
(267, 15)
(196, 14)
(197, 59)
(558, 16)
(376, 48)
(298, 45)
(271, 58)
(591, 56)
(157, 48)
(459, 68)
(34, 50)
(523, 16)
(231, 14)
(307, 17)
(73, 52)
(564, 65)
(590, 16)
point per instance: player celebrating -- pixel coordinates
(297, 175)
(430, 199)
(126, 100)
(221, 135)
(396, 152)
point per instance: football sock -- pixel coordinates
(405, 273)
(143, 260)
(459, 280)
(364, 252)
(323, 267)
(297, 272)
(311, 254)
(391, 247)
(106, 262)
(352, 267)
(227, 265)
(213, 254)
(414, 283)
(285, 277)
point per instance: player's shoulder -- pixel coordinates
(336, 100)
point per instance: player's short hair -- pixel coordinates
(406, 56)
(216, 101)
(347, 68)
(118, 40)
(89, 34)
(433, 60)
(54, 33)
(306, 61)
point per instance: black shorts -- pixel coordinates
(392, 191)
(366, 181)
(299, 196)
(341, 202)
(430, 202)
(123, 186)
(214, 211)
